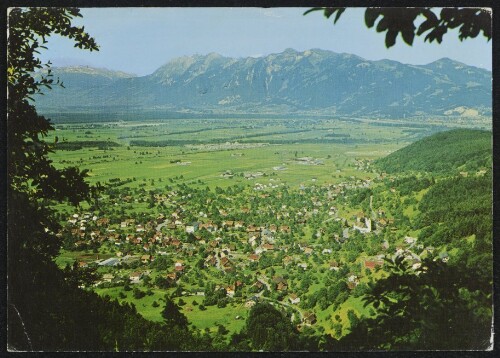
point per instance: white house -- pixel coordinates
(135, 277)
(303, 265)
(294, 299)
(191, 228)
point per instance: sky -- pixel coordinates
(139, 40)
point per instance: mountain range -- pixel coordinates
(313, 81)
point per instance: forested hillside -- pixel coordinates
(449, 292)
(446, 152)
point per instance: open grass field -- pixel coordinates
(209, 318)
(198, 151)
(143, 305)
(213, 316)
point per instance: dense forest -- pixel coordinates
(452, 299)
(445, 152)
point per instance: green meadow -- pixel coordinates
(198, 151)
(221, 153)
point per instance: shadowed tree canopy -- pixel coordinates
(172, 314)
(416, 309)
(269, 329)
(29, 168)
(433, 24)
(35, 320)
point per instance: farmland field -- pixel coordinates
(202, 150)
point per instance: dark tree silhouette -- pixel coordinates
(172, 315)
(29, 169)
(435, 306)
(32, 179)
(269, 329)
(393, 21)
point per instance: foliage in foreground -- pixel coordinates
(434, 307)
(393, 21)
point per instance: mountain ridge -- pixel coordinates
(291, 81)
(90, 70)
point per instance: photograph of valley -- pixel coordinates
(247, 179)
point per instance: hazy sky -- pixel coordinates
(139, 40)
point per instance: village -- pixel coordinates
(300, 248)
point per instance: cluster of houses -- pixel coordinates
(235, 239)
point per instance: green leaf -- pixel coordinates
(371, 15)
(408, 36)
(390, 38)
(313, 9)
(382, 25)
(329, 11)
(339, 13)
(430, 22)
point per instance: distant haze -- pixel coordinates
(139, 40)
(313, 81)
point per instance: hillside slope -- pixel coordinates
(450, 151)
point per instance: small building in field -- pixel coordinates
(191, 228)
(294, 299)
(135, 277)
(310, 318)
(107, 277)
(179, 267)
(372, 264)
(249, 304)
